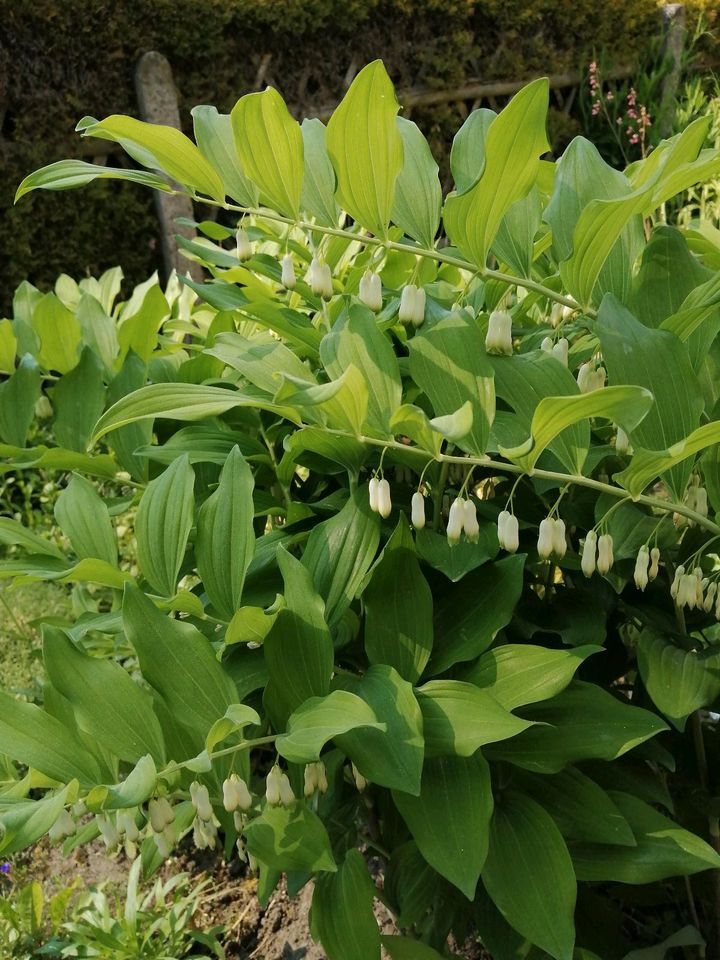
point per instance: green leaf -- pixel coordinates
(290, 838)
(448, 361)
(625, 405)
(403, 948)
(648, 464)
(175, 401)
(320, 719)
(84, 519)
(79, 399)
(418, 195)
(450, 819)
(469, 615)
(678, 681)
(359, 342)
(583, 722)
(523, 381)
(318, 189)
(641, 355)
(459, 559)
(59, 333)
(339, 553)
(513, 243)
(663, 849)
(66, 174)
(31, 736)
(298, 649)
(8, 346)
(686, 937)
(467, 155)
(225, 541)
(216, 142)
(178, 661)
(128, 439)
(22, 824)
(393, 758)
(581, 809)
(14, 533)
(108, 705)
(398, 608)
(529, 875)
(366, 148)
(262, 360)
(163, 148)
(18, 396)
(516, 674)
(342, 912)
(163, 523)
(270, 146)
(514, 142)
(458, 718)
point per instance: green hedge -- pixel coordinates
(63, 60)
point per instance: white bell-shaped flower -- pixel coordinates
(560, 351)
(373, 493)
(243, 244)
(287, 274)
(417, 510)
(384, 500)
(546, 537)
(642, 564)
(470, 521)
(499, 334)
(371, 291)
(559, 540)
(201, 800)
(588, 560)
(456, 521)
(605, 553)
(654, 563)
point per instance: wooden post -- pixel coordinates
(674, 32)
(158, 102)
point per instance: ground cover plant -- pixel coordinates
(424, 601)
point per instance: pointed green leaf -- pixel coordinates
(450, 819)
(320, 719)
(342, 912)
(678, 681)
(366, 148)
(84, 519)
(418, 195)
(318, 190)
(290, 838)
(216, 142)
(66, 174)
(270, 146)
(162, 525)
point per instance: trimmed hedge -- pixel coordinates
(62, 60)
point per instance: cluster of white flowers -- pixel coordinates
(244, 246)
(205, 823)
(694, 591)
(462, 518)
(379, 497)
(315, 778)
(371, 291)
(558, 349)
(499, 333)
(551, 538)
(277, 788)
(508, 531)
(647, 565)
(320, 279)
(590, 377)
(412, 305)
(597, 554)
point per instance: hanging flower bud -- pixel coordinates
(108, 831)
(654, 563)
(499, 335)
(201, 800)
(556, 314)
(622, 443)
(675, 585)
(371, 291)
(717, 606)
(560, 351)
(272, 786)
(508, 531)
(710, 594)
(701, 501)
(605, 553)
(545, 538)
(687, 591)
(239, 820)
(419, 315)
(287, 797)
(63, 827)
(558, 538)
(588, 561)
(244, 247)
(320, 279)
(456, 519)
(287, 277)
(360, 781)
(241, 850)
(161, 814)
(546, 344)
(417, 510)
(406, 312)
(600, 378)
(165, 841)
(373, 494)
(641, 567)
(236, 794)
(204, 834)
(470, 521)
(315, 778)
(127, 826)
(586, 377)
(383, 499)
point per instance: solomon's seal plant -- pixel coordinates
(422, 570)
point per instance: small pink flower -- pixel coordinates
(609, 95)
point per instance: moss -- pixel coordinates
(61, 60)
(20, 644)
